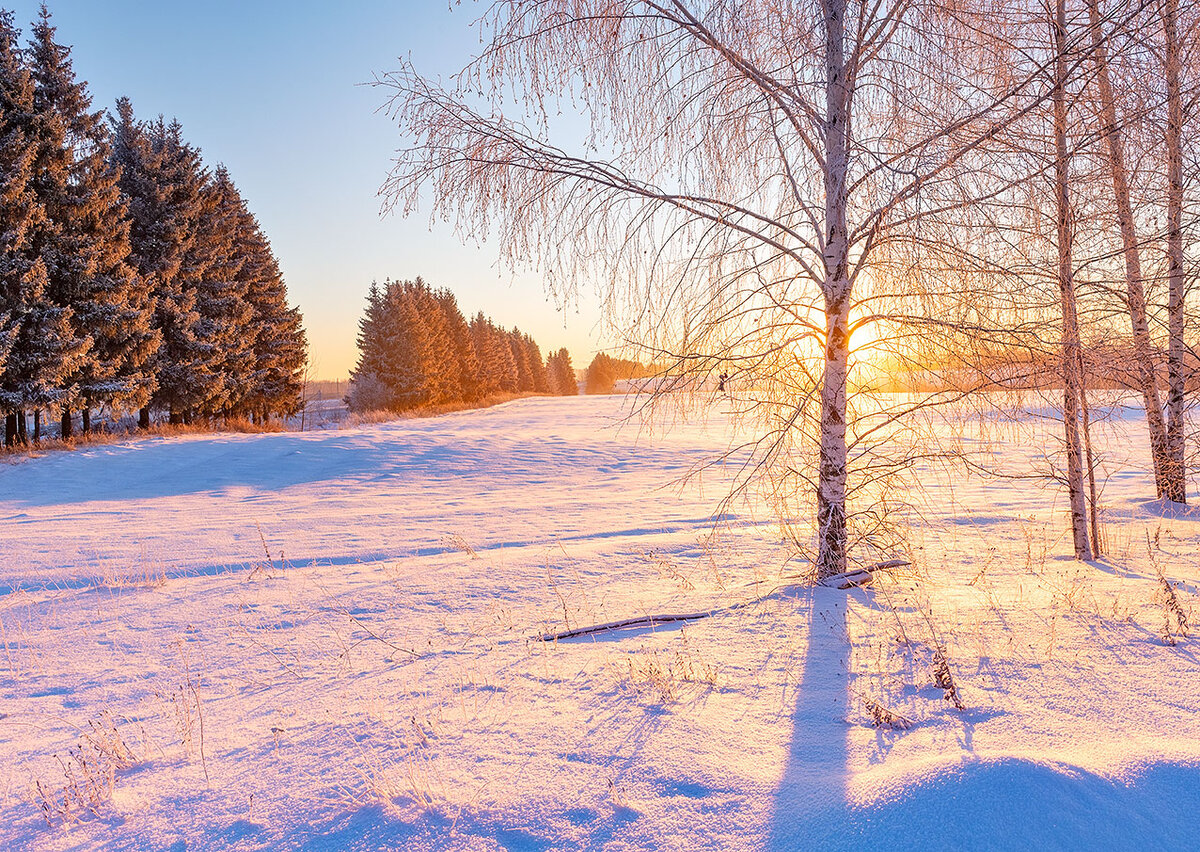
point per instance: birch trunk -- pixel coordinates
(1176, 471)
(1135, 290)
(831, 484)
(1066, 286)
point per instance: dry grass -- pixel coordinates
(667, 677)
(89, 773)
(366, 418)
(118, 435)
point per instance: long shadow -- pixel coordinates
(812, 791)
(1004, 804)
(154, 467)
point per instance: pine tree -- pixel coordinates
(160, 181)
(279, 350)
(467, 361)
(86, 243)
(212, 270)
(539, 378)
(520, 354)
(43, 349)
(562, 374)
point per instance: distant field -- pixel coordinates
(325, 640)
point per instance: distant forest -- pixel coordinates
(132, 276)
(605, 371)
(417, 350)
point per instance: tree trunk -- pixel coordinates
(22, 428)
(1066, 288)
(1135, 291)
(10, 429)
(1094, 512)
(174, 417)
(1176, 472)
(831, 484)
(144, 417)
(87, 420)
(66, 427)
(37, 425)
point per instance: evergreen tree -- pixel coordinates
(370, 335)
(212, 271)
(520, 354)
(412, 366)
(442, 368)
(43, 349)
(279, 350)
(601, 374)
(540, 379)
(85, 243)
(498, 368)
(161, 182)
(562, 374)
(466, 359)
(487, 379)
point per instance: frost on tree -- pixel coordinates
(761, 178)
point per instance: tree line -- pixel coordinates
(605, 371)
(416, 349)
(132, 276)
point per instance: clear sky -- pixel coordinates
(271, 89)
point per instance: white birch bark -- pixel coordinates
(1134, 286)
(831, 484)
(1176, 469)
(1066, 286)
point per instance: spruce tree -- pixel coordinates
(85, 245)
(539, 378)
(508, 371)
(43, 349)
(467, 361)
(487, 379)
(279, 348)
(562, 374)
(411, 363)
(212, 270)
(160, 178)
(520, 353)
(442, 368)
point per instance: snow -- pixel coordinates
(324, 641)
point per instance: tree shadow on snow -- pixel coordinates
(1004, 804)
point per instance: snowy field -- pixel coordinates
(324, 641)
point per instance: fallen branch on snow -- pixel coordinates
(846, 580)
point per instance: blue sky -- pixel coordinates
(272, 90)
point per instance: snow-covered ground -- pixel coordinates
(324, 641)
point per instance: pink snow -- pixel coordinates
(324, 641)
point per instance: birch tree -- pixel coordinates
(1131, 247)
(1071, 351)
(1173, 44)
(749, 174)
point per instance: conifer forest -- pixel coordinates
(133, 276)
(416, 349)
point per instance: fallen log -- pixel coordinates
(644, 621)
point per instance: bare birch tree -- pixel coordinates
(753, 183)
(1071, 352)
(1131, 244)
(1172, 57)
